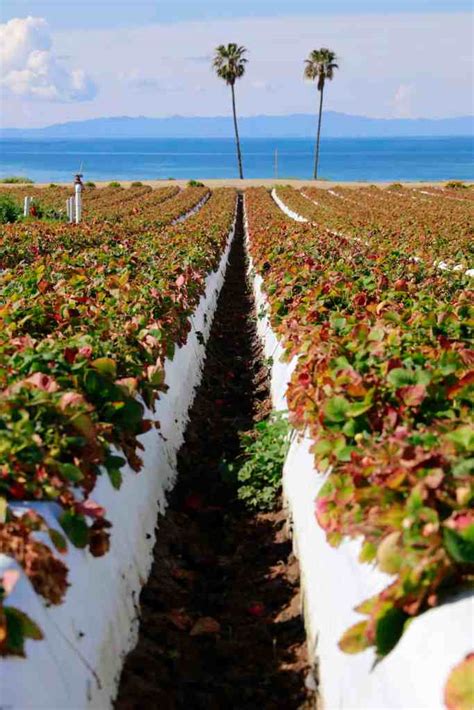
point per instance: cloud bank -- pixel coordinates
(30, 68)
(390, 66)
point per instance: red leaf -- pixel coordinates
(43, 382)
(180, 619)
(204, 626)
(412, 395)
(193, 502)
(256, 609)
(90, 508)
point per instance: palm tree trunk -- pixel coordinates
(237, 139)
(316, 159)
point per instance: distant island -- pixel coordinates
(336, 125)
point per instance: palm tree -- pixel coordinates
(320, 65)
(229, 63)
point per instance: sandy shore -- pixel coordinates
(259, 182)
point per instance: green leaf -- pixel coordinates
(464, 468)
(3, 509)
(15, 633)
(422, 377)
(389, 629)
(358, 408)
(463, 438)
(130, 414)
(368, 552)
(403, 377)
(58, 540)
(115, 476)
(367, 606)
(115, 461)
(106, 366)
(19, 627)
(31, 630)
(350, 428)
(376, 334)
(336, 409)
(460, 548)
(389, 554)
(323, 447)
(71, 472)
(344, 453)
(75, 528)
(354, 640)
(400, 377)
(92, 382)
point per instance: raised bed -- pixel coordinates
(78, 663)
(414, 674)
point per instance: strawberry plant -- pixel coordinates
(89, 315)
(384, 387)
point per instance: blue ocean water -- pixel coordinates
(342, 159)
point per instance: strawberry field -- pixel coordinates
(369, 295)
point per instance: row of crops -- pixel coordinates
(430, 227)
(383, 383)
(89, 313)
(112, 204)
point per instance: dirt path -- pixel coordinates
(220, 614)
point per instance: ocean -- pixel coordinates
(342, 159)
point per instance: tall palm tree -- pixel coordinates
(320, 65)
(229, 63)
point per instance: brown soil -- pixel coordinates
(220, 625)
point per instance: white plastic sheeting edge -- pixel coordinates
(333, 582)
(193, 210)
(284, 208)
(78, 663)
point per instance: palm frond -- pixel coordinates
(229, 62)
(320, 66)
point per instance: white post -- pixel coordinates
(78, 202)
(70, 209)
(26, 206)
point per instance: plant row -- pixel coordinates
(111, 203)
(384, 387)
(27, 240)
(85, 332)
(391, 220)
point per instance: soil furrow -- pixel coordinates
(220, 625)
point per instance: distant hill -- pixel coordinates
(336, 125)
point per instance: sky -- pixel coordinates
(397, 58)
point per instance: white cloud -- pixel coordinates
(30, 69)
(372, 67)
(169, 67)
(402, 101)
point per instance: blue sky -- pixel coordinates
(115, 13)
(153, 58)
